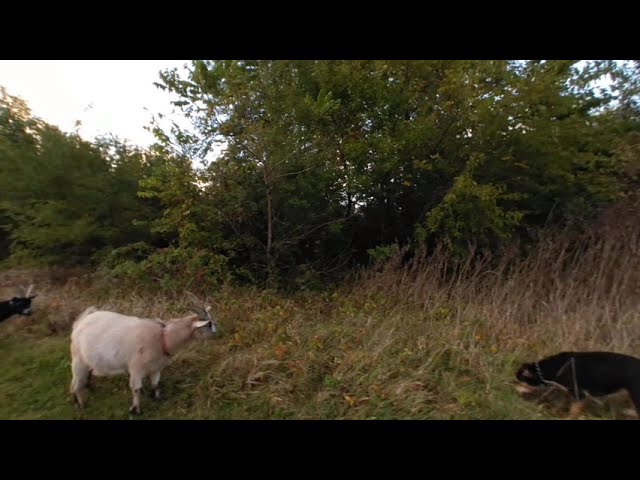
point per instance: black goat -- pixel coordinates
(17, 305)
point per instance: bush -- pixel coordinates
(165, 270)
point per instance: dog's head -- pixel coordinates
(529, 377)
(529, 374)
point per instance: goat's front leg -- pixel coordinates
(90, 381)
(155, 384)
(135, 382)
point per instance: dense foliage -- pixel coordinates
(326, 164)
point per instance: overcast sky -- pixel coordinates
(107, 96)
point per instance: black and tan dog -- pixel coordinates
(582, 374)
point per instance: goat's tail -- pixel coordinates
(87, 311)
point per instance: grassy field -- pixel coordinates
(398, 342)
(268, 365)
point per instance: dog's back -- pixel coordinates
(599, 373)
(596, 374)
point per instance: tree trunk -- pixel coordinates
(270, 260)
(268, 183)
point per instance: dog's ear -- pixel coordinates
(527, 372)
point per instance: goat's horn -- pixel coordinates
(28, 292)
(192, 297)
(197, 306)
(193, 300)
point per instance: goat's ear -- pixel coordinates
(200, 323)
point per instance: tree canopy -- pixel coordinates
(326, 161)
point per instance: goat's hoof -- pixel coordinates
(134, 410)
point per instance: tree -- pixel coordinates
(64, 199)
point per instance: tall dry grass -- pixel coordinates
(574, 291)
(424, 339)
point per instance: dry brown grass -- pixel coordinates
(423, 340)
(573, 291)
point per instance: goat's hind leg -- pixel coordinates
(80, 374)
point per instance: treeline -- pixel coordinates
(326, 165)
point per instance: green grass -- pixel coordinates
(35, 377)
(391, 345)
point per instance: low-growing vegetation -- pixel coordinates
(380, 239)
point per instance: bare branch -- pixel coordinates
(235, 230)
(286, 158)
(289, 240)
(293, 173)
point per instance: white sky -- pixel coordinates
(107, 96)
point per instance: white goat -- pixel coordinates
(107, 343)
